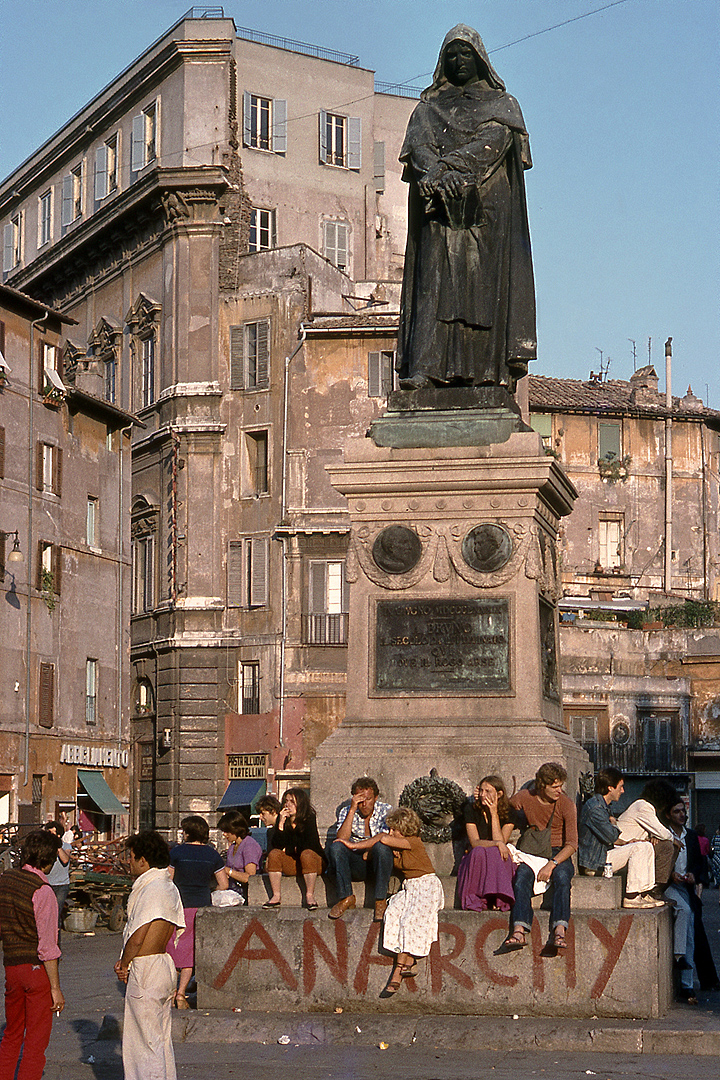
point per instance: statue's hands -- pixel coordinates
(452, 184)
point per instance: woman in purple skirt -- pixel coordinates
(485, 874)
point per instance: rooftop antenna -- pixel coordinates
(634, 351)
(649, 350)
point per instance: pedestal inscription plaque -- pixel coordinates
(442, 645)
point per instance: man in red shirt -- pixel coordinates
(29, 931)
(545, 806)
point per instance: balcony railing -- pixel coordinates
(325, 629)
(638, 758)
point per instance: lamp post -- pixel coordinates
(16, 555)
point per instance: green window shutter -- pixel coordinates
(263, 353)
(237, 381)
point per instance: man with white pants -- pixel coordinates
(154, 913)
(598, 832)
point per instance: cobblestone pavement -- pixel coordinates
(85, 1044)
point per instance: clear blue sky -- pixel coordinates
(623, 110)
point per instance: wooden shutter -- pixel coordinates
(235, 573)
(57, 471)
(2, 453)
(68, 208)
(258, 572)
(273, 229)
(101, 173)
(237, 352)
(41, 367)
(279, 126)
(323, 136)
(2, 556)
(318, 588)
(57, 567)
(138, 143)
(8, 247)
(39, 466)
(387, 369)
(379, 166)
(263, 353)
(374, 374)
(39, 566)
(46, 695)
(247, 118)
(2, 339)
(354, 147)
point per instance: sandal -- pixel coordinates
(270, 906)
(516, 940)
(409, 971)
(559, 941)
(395, 981)
(311, 907)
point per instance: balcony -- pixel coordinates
(325, 629)
(661, 759)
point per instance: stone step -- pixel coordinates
(587, 892)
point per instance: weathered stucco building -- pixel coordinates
(197, 218)
(647, 700)
(64, 622)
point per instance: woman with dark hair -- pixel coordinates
(294, 847)
(485, 874)
(244, 854)
(196, 868)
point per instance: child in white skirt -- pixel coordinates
(411, 918)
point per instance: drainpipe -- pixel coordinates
(668, 467)
(28, 616)
(119, 583)
(283, 507)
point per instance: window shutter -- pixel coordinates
(354, 151)
(68, 209)
(101, 177)
(273, 228)
(41, 367)
(379, 166)
(374, 374)
(2, 453)
(318, 598)
(341, 249)
(57, 567)
(279, 134)
(39, 567)
(323, 136)
(247, 119)
(2, 339)
(263, 352)
(387, 368)
(46, 695)
(258, 572)
(235, 573)
(2, 557)
(57, 471)
(39, 474)
(138, 143)
(8, 247)
(237, 381)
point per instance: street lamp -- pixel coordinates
(16, 554)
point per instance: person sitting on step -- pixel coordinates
(363, 816)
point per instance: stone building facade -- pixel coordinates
(196, 219)
(64, 622)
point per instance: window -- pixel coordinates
(610, 539)
(657, 732)
(45, 219)
(109, 378)
(381, 373)
(249, 702)
(609, 442)
(326, 619)
(91, 521)
(262, 229)
(13, 242)
(250, 356)
(49, 469)
(340, 140)
(265, 123)
(143, 551)
(91, 678)
(148, 371)
(106, 168)
(584, 729)
(144, 137)
(257, 460)
(46, 695)
(542, 423)
(379, 167)
(47, 578)
(336, 243)
(248, 572)
(72, 196)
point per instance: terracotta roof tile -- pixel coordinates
(616, 396)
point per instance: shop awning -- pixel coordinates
(97, 788)
(242, 793)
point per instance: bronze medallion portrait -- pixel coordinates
(397, 549)
(487, 548)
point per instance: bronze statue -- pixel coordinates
(467, 314)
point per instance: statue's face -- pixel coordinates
(461, 65)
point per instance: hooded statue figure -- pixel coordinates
(467, 314)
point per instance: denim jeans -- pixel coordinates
(683, 930)
(349, 866)
(522, 912)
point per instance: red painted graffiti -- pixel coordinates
(269, 952)
(481, 938)
(368, 957)
(337, 964)
(440, 962)
(613, 945)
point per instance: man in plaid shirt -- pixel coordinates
(363, 816)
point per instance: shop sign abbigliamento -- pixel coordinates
(107, 757)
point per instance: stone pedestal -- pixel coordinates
(454, 579)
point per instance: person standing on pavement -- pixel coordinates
(363, 816)
(28, 929)
(59, 876)
(154, 913)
